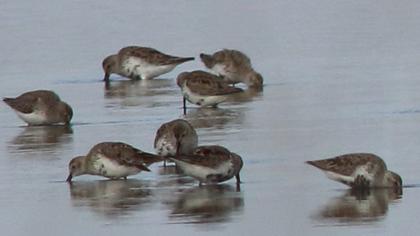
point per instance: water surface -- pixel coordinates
(339, 77)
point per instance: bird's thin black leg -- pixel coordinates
(184, 103)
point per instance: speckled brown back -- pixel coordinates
(208, 156)
(124, 154)
(26, 102)
(347, 164)
(206, 84)
(152, 55)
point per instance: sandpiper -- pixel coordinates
(176, 137)
(234, 66)
(210, 164)
(140, 63)
(359, 170)
(40, 107)
(113, 160)
(204, 89)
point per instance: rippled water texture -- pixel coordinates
(340, 76)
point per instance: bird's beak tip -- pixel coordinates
(69, 178)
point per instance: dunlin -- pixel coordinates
(359, 170)
(40, 107)
(176, 137)
(140, 63)
(234, 66)
(113, 160)
(204, 89)
(210, 164)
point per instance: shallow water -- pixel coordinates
(340, 77)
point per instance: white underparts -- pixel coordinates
(111, 169)
(201, 172)
(228, 76)
(219, 69)
(360, 171)
(201, 100)
(135, 67)
(34, 118)
(165, 148)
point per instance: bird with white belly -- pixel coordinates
(113, 160)
(136, 62)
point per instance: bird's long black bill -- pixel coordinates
(69, 178)
(106, 77)
(178, 145)
(238, 179)
(144, 168)
(238, 183)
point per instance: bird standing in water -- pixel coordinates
(210, 164)
(359, 170)
(113, 160)
(140, 63)
(41, 107)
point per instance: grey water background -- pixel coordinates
(340, 76)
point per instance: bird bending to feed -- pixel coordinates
(233, 66)
(176, 137)
(359, 170)
(140, 63)
(40, 107)
(204, 89)
(210, 164)
(113, 160)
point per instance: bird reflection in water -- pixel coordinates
(172, 178)
(169, 170)
(140, 92)
(217, 118)
(41, 138)
(214, 118)
(247, 95)
(207, 204)
(111, 198)
(360, 205)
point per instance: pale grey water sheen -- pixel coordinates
(340, 76)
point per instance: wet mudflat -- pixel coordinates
(339, 78)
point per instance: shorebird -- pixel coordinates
(176, 137)
(40, 107)
(359, 170)
(204, 89)
(113, 160)
(140, 63)
(210, 164)
(233, 66)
